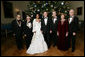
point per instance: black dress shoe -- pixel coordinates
(72, 50)
(48, 47)
(54, 45)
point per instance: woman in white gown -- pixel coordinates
(38, 45)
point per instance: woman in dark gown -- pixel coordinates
(62, 33)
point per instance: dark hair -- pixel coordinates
(38, 14)
(28, 15)
(17, 14)
(62, 14)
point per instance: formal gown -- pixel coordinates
(38, 45)
(62, 39)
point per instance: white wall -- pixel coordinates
(22, 5)
(75, 5)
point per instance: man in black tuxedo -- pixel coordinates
(54, 23)
(17, 31)
(27, 30)
(45, 28)
(73, 28)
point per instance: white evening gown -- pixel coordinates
(38, 44)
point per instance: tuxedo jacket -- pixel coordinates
(45, 28)
(73, 26)
(26, 29)
(16, 29)
(54, 25)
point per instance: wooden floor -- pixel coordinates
(8, 48)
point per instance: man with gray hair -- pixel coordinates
(73, 28)
(54, 23)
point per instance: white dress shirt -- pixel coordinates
(54, 20)
(45, 20)
(29, 24)
(18, 23)
(70, 19)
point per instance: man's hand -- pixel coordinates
(66, 34)
(14, 35)
(25, 35)
(50, 31)
(74, 33)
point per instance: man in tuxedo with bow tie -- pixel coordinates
(73, 28)
(27, 31)
(54, 23)
(45, 28)
(17, 31)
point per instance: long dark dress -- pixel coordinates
(62, 39)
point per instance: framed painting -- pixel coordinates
(8, 9)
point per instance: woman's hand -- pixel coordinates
(41, 31)
(57, 33)
(66, 34)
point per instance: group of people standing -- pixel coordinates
(41, 33)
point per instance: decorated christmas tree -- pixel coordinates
(41, 6)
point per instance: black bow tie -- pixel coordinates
(28, 22)
(45, 17)
(71, 16)
(19, 21)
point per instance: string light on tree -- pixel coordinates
(40, 6)
(62, 3)
(38, 10)
(51, 5)
(35, 6)
(47, 9)
(31, 15)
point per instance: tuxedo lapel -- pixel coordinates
(16, 23)
(47, 21)
(52, 21)
(43, 21)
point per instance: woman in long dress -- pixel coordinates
(62, 33)
(38, 45)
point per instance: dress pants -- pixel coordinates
(19, 42)
(73, 39)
